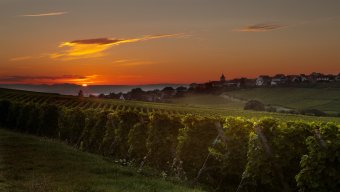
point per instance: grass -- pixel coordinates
(209, 100)
(32, 164)
(325, 99)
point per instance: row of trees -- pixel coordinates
(232, 154)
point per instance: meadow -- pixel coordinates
(323, 98)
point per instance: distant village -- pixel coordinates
(222, 85)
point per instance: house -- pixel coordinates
(294, 78)
(304, 78)
(121, 97)
(235, 83)
(263, 80)
(337, 78)
(325, 78)
(278, 79)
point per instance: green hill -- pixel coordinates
(33, 164)
(324, 99)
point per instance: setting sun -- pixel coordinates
(170, 95)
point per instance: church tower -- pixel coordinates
(222, 78)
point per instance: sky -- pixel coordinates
(165, 41)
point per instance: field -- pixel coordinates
(196, 145)
(203, 105)
(32, 164)
(324, 99)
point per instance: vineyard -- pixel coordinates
(144, 107)
(194, 145)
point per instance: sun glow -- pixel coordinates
(84, 85)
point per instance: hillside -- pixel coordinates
(223, 153)
(204, 105)
(30, 164)
(324, 99)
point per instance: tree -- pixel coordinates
(80, 93)
(254, 105)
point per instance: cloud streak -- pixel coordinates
(47, 79)
(131, 63)
(92, 48)
(260, 28)
(44, 14)
(25, 58)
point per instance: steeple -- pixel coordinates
(222, 78)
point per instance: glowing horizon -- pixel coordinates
(152, 42)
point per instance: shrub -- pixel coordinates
(312, 112)
(49, 115)
(137, 140)
(195, 138)
(97, 132)
(254, 105)
(321, 165)
(274, 154)
(230, 153)
(107, 146)
(162, 139)
(5, 107)
(126, 121)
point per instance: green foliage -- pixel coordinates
(32, 123)
(90, 121)
(230, 152)
(107, 145)
(162, 139)
(71, 124)
(126, 121)
(137, 140)
(195, 138)
(97, 132)
(5, 106)
(274, 154)
(243, 155)
(254, 105)
(49, 116)
(12, 115)
(321, 165)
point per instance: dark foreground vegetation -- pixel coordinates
(32, 164)
(223, 154)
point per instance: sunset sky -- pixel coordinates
(165, 41)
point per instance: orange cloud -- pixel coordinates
(91, 48)
(260, 28)
(132, 63)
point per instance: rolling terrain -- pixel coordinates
(217, 148)
(324, 99)
(33, 164)
(204, 105)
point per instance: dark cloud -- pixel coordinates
(32, 78)
(100, 41)
(260, 28)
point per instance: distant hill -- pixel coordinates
(324, 99)
(72, 89)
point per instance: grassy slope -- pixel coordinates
(29, 163)
(209, 100)
(205, 105)
(325, 99)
